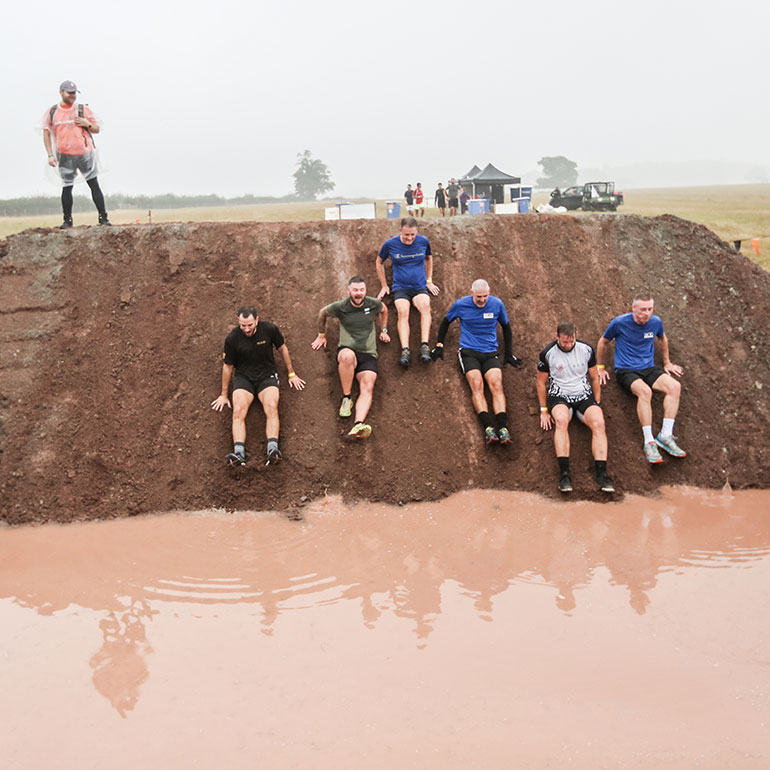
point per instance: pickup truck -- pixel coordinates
(593, 196)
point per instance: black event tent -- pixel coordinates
(475, 171)
(489, 182)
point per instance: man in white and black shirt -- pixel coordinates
(567, 384)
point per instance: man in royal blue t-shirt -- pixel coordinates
(479, 315)
(635, 334)
(412, 284)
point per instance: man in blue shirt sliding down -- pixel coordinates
(635, 334)
(479, 315)
(412, 284)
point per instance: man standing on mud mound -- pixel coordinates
(409, 198)
(452, 191)
(67, 130)
(479, 315)
(249, 352)
(357, 351)
(419, 201)
(634, 334)
(567, 384)
(412, 284)
(439, 199)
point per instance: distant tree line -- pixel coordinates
(48, 204)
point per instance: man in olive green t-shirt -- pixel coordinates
(357, 351)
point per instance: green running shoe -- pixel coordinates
(504, 436)
(346, 408)
(360, 430)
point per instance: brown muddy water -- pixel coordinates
(490, 630)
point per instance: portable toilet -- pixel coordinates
(394, 209)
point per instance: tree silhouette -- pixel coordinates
(558, 171)
(311, 178)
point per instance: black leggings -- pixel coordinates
(96, 195)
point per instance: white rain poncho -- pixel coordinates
(73, 147)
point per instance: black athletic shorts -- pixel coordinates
(241, 382)
(365, 362)
(577, 406)
(453, 203)
(626, 377)
(409, 294)
(473, 359)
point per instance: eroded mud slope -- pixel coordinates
(110, 343)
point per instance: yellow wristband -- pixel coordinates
(601, 367)
(543, 408)
(321, 334)
(430, 280)
(292, 374)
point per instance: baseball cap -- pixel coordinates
(68, 86)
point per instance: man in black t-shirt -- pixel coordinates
(409, 198)
(249, 352)
(452, 191)
(439, 198)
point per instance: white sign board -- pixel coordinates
(507, 208)
(332, 212)
(357, 211)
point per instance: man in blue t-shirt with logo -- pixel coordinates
(412, 284)
(479, 315)
(635, 334)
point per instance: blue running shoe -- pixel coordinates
(669, 445)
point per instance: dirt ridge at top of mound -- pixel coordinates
(111, 341)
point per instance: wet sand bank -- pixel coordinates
(487, 630)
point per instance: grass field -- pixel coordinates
(731, 211)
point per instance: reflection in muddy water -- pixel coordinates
(488, 630)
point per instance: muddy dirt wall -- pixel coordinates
(110, 343)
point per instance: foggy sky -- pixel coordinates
(220, 97)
